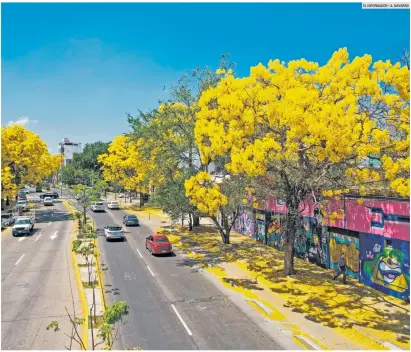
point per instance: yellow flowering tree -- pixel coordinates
(123, 163)
(310, 127)
(216, 197)
(24, 159)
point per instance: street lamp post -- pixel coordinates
(61, 170)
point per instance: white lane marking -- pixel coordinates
(19, 259)
(54, 236)
(150, 270)
(22, 238)
(49, 223)
(181, 319)
(139, 253)
(37, 238)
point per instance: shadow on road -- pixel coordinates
(52, 215)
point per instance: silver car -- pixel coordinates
(114, 232)
(48, 201)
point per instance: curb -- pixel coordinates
(80, 287)
(307, 342)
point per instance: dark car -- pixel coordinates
(130, 220)
(53, 195)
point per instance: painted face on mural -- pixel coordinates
(389, 269)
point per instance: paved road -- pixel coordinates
(157, 288)
(37, 277)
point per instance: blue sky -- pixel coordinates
(75, 70)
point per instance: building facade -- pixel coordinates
(67, 149)
(373, 232)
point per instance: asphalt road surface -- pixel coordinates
(36, 283)
(171, 305)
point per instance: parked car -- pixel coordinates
(7, 219)
(113, 205)
(97, 206)
(159, 244)
(23, 225)
(130, 220)
(48, 201)
(113, 232)
(22, 205)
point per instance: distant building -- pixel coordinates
(68, 148)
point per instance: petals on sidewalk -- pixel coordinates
(334, 315)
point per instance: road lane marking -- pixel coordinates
(181, 319)
(19, 259)
(49, 223)
(150, 270)
(37, 238)
(54, 236)
(139, 253)
(22, 238)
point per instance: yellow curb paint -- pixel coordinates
(80, 287)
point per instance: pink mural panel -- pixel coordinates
(389, 218)
(379, 217)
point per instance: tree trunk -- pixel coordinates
(141, 199)
(84, 218)
(182, 220)
(7, 201)
(196, 220)
(190, 222)
(289, 258)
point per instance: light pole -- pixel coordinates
(61, 169)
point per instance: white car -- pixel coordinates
(22, 205)
(113, 232)
(23, 225)
(113, 205)
(48, 201)
(97, 206)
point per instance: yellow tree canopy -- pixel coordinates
(307, 123)
(24, 159)
(123, 163)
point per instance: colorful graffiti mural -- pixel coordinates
(275, 238)
(350, 247)
(386, 267)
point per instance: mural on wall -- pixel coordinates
(245, 223)
(350, 247)
(274, 234)
(386, 267)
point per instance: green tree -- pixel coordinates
(87, 159)
(168, 132)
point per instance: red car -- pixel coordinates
(159, 244)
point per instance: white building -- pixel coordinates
(68, 148)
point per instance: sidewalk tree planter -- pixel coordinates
(308, 128)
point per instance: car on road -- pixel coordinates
(114, 232)
(23, 225)
(97, 206)
(130, 220)
(53, 195)
(113, 205)
(22, 205)
(48, 201)
(159, 244)
(7, 219)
